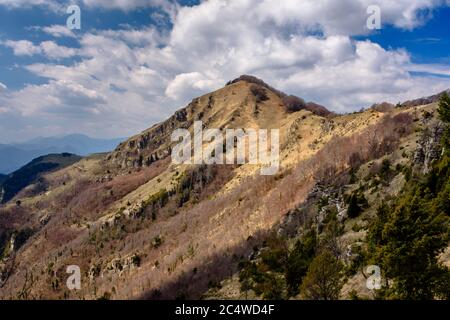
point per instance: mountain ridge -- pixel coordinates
(140, 226)
(13, 183)
(219, 109)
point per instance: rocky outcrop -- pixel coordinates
(151, 145)
(428, 147)
(327, 198)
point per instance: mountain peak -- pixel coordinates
(245, 102)
(249, 79)
(292, 103)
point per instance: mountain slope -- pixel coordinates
(30, 173)
(141, 227)
(246, 102)
(14, 156)
(390, 212)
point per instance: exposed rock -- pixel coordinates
(45, 219)
(428, 147)
(112, 221)
(290, 223)
(12, 243)
(120, 265)
(94, 271)
(328, 126)
(115, 266)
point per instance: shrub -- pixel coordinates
(444, 108)
(356, 203)
(444, 115)
(259, 93)
(299, 260)
(136, 260)
(385, 170)
(22, 236)
(157, 242)
(158, 199)
(293, 103)
(408, 236)
(324, 278)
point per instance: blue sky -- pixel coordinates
(429, 43)
(135, 62)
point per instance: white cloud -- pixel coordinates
(127, 4)
(21, 3)
(136, 37)
(47, 48)
(127, 79)
(61, 5)
(23, 47)
(184, 84)
(52, 50)
(50, 4)
(58, 31)
(3, 87)
(58, 97)
(433, 69)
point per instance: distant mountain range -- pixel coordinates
(14, 156)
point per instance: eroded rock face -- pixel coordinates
(118, 266)
(295, 219)
(43, 220)
(151, 145)
(428, 147)
(290, 223)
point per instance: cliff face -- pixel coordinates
(151, 145)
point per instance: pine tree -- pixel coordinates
(444, 107)
(299, 260)
(444, 114)
(324, 278)
(410, 234)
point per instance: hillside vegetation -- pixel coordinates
(406, 237)
(139, 226)
(11, 184)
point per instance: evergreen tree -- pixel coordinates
(409, 235)
(299, 260)
(444, 114)
(324, 278)
(444, 108)
(353, 209)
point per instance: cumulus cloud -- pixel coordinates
(127, 4)
(185, 84)
(47, 48)
(127, 79)
(61, 5)
(49, 4)
(58, 31)
(23, 47)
